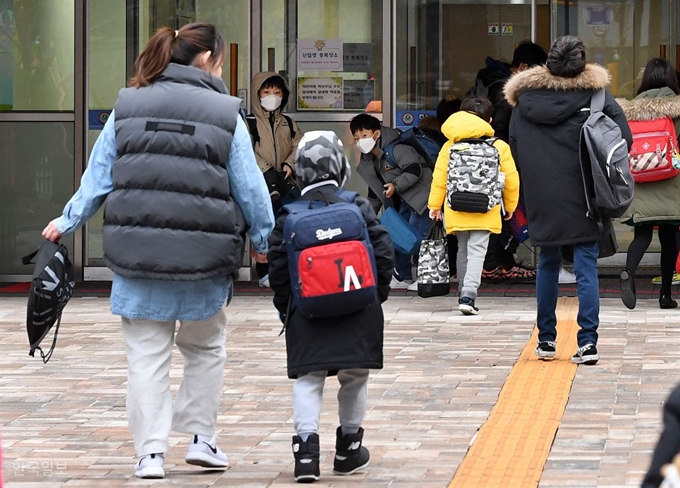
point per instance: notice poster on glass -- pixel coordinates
(319, 93)
(358, 57)
(358, 94)
(319, 54)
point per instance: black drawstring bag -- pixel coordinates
(51, 288)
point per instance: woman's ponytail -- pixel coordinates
(155, 57)
(176, 46)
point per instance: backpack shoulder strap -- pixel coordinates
(597, 101)
(290, 126)
(389, 149)
(251, 120)
(347, 196)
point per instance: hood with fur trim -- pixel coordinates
(652, 104)
(593, 77)
(546, 99)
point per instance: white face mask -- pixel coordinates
(366, 144)
(271, 102)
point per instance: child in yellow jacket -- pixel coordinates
(472, 229)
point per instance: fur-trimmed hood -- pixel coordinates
(551, 100)
(593, 77)
(652, 104)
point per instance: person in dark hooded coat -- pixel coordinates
(551, 104)
(347, 345)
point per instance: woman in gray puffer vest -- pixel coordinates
(176, 167)
(655, 203)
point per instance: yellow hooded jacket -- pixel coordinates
(465, 125)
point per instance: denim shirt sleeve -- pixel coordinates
(96, 183)
(249, 189)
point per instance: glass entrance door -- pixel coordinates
(331, 53)
(442, 44)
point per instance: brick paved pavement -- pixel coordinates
(63, 424)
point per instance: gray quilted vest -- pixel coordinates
(171, 215)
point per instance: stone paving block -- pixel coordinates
(443, 373)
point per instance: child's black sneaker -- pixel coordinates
(586, 355)
(350, 455)
(306, 458)
(466, 305)
(546, 350)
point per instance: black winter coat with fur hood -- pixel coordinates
(545, 127)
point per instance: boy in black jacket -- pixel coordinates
(347, 345)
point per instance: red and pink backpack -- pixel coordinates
(654, 147)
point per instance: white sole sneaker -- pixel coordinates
(205, 460)
(203, 451)
(395, 284)
(150, 467)
(150, 473)
(467, 309)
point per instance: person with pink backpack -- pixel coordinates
(654, 119)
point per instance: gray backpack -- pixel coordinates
(604, 164)
(473, 183)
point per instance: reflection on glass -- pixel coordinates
(36, 181)
(107, 63)
(36, 55)
(444, 46)
(622, 36)
(230, 17)
(273, 37)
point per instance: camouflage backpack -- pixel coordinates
(473, 183)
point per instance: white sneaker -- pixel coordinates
(413, 286)
(150, 466)
(264, 282)
(566, 277)
(203, 451)
(453, 279)
(395, 284)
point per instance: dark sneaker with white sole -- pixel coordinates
(586, 355)
(546, 350)
(466, 305)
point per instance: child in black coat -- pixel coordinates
(345, 345)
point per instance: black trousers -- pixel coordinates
(669, 442)
(669, 252)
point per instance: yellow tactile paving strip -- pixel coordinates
(513, 444)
